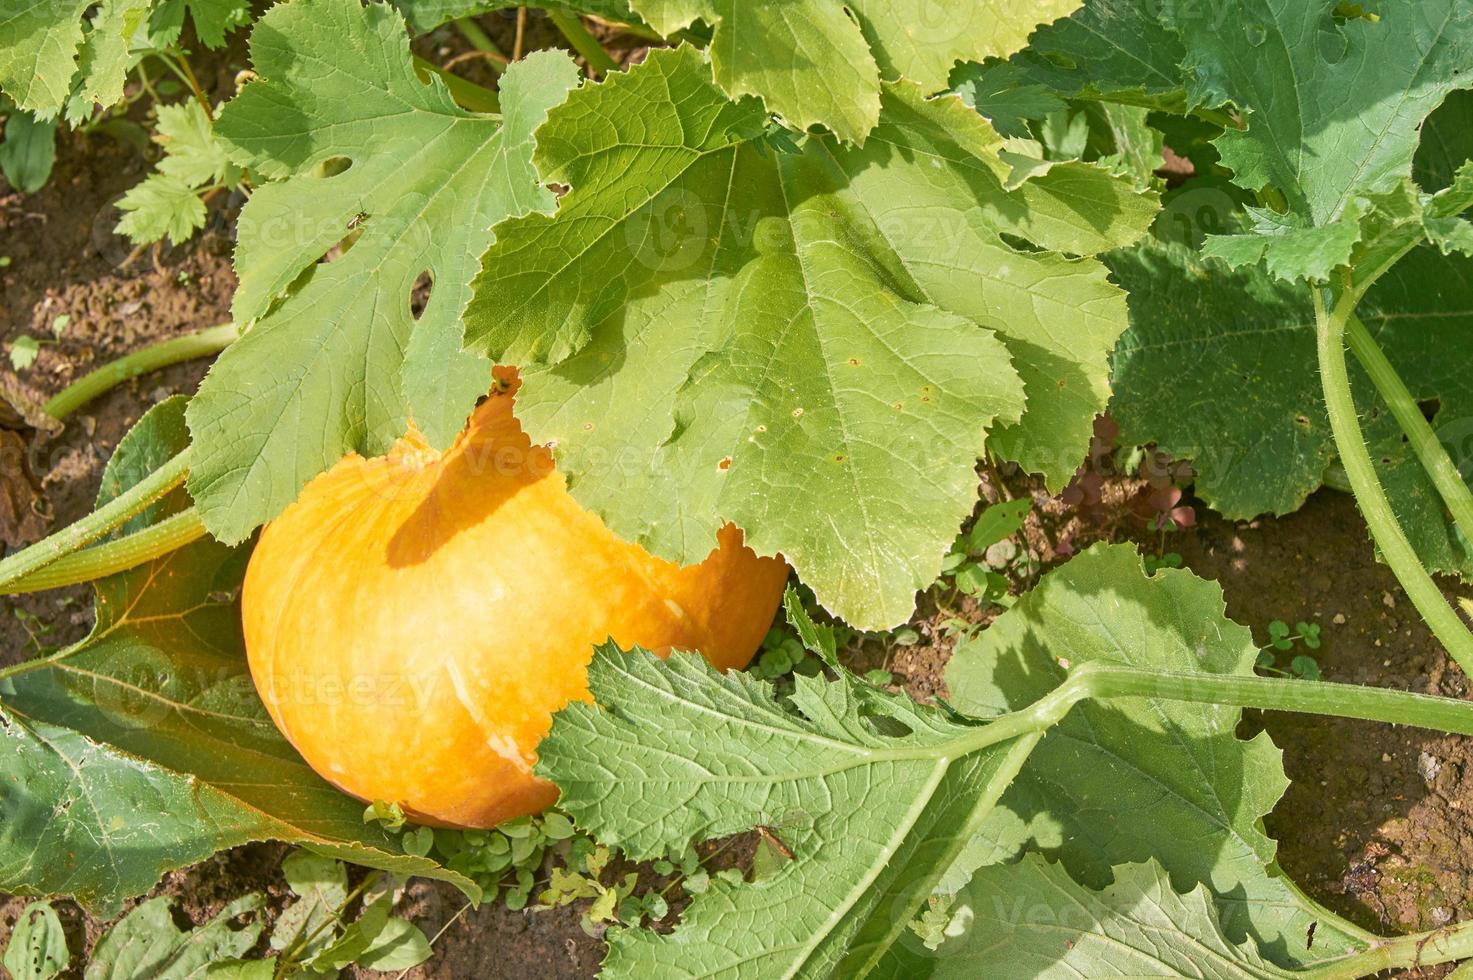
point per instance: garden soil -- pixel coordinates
(1377, 825)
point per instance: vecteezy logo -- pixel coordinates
(671, 233)
(1456, 436)
(139, 688)
(1189, 216)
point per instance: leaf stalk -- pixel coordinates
(173, 351)
(104, 519)
(1330, 327)
(113, 557)
(1429, 449)
(1444, 945)
(582, 41)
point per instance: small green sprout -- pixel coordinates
(1283, 639)
(23, 352)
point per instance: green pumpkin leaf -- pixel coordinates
(820, 62)
(38, 52)
(1194, 323)
(334, 361)
(1334, 108)
(154, 714)
(871, 820)
(1132, 780)
(28, 152)
(673, 752)
(147, 943)
(52, 56)
(705, 317)
(1123, 51)
(1137, 926)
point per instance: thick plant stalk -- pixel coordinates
(1350, 441)
(112, 557)
(1402, 953)
(1394, 707)
(109, 376)
(1414, 424)
(96, 524)
(1104, 682)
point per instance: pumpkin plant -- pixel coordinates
(413, 621)
(775, 290)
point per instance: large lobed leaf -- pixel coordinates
(1028, 920)
(145, 748)
(334, 361)
(676, 752)
(875, 822)
(1334, 101)
(52, 56)
(811, 344)
(1267, 446)
(1130, 780)
(821, 61)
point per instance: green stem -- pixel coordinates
(104, 519)
(1402, 953)
(1414, 424)
(109, 376)
(1278, 694)
(27, 666)
(112, 557)
(583, 42)
(468, 94)
(1104, 682)
(481, 41)
(1369, 494)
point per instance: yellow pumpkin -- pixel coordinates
(414, 620)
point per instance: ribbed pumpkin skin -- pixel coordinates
(414, 620)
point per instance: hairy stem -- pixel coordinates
(1350, 442)
(109, 376)
(1402, 953)
(1414, 424)
(1103, 682)
(1279, 694)
(112, 557)
(583, 42)
(96, 524)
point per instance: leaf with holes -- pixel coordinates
(335, 361)
(1335, 99)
